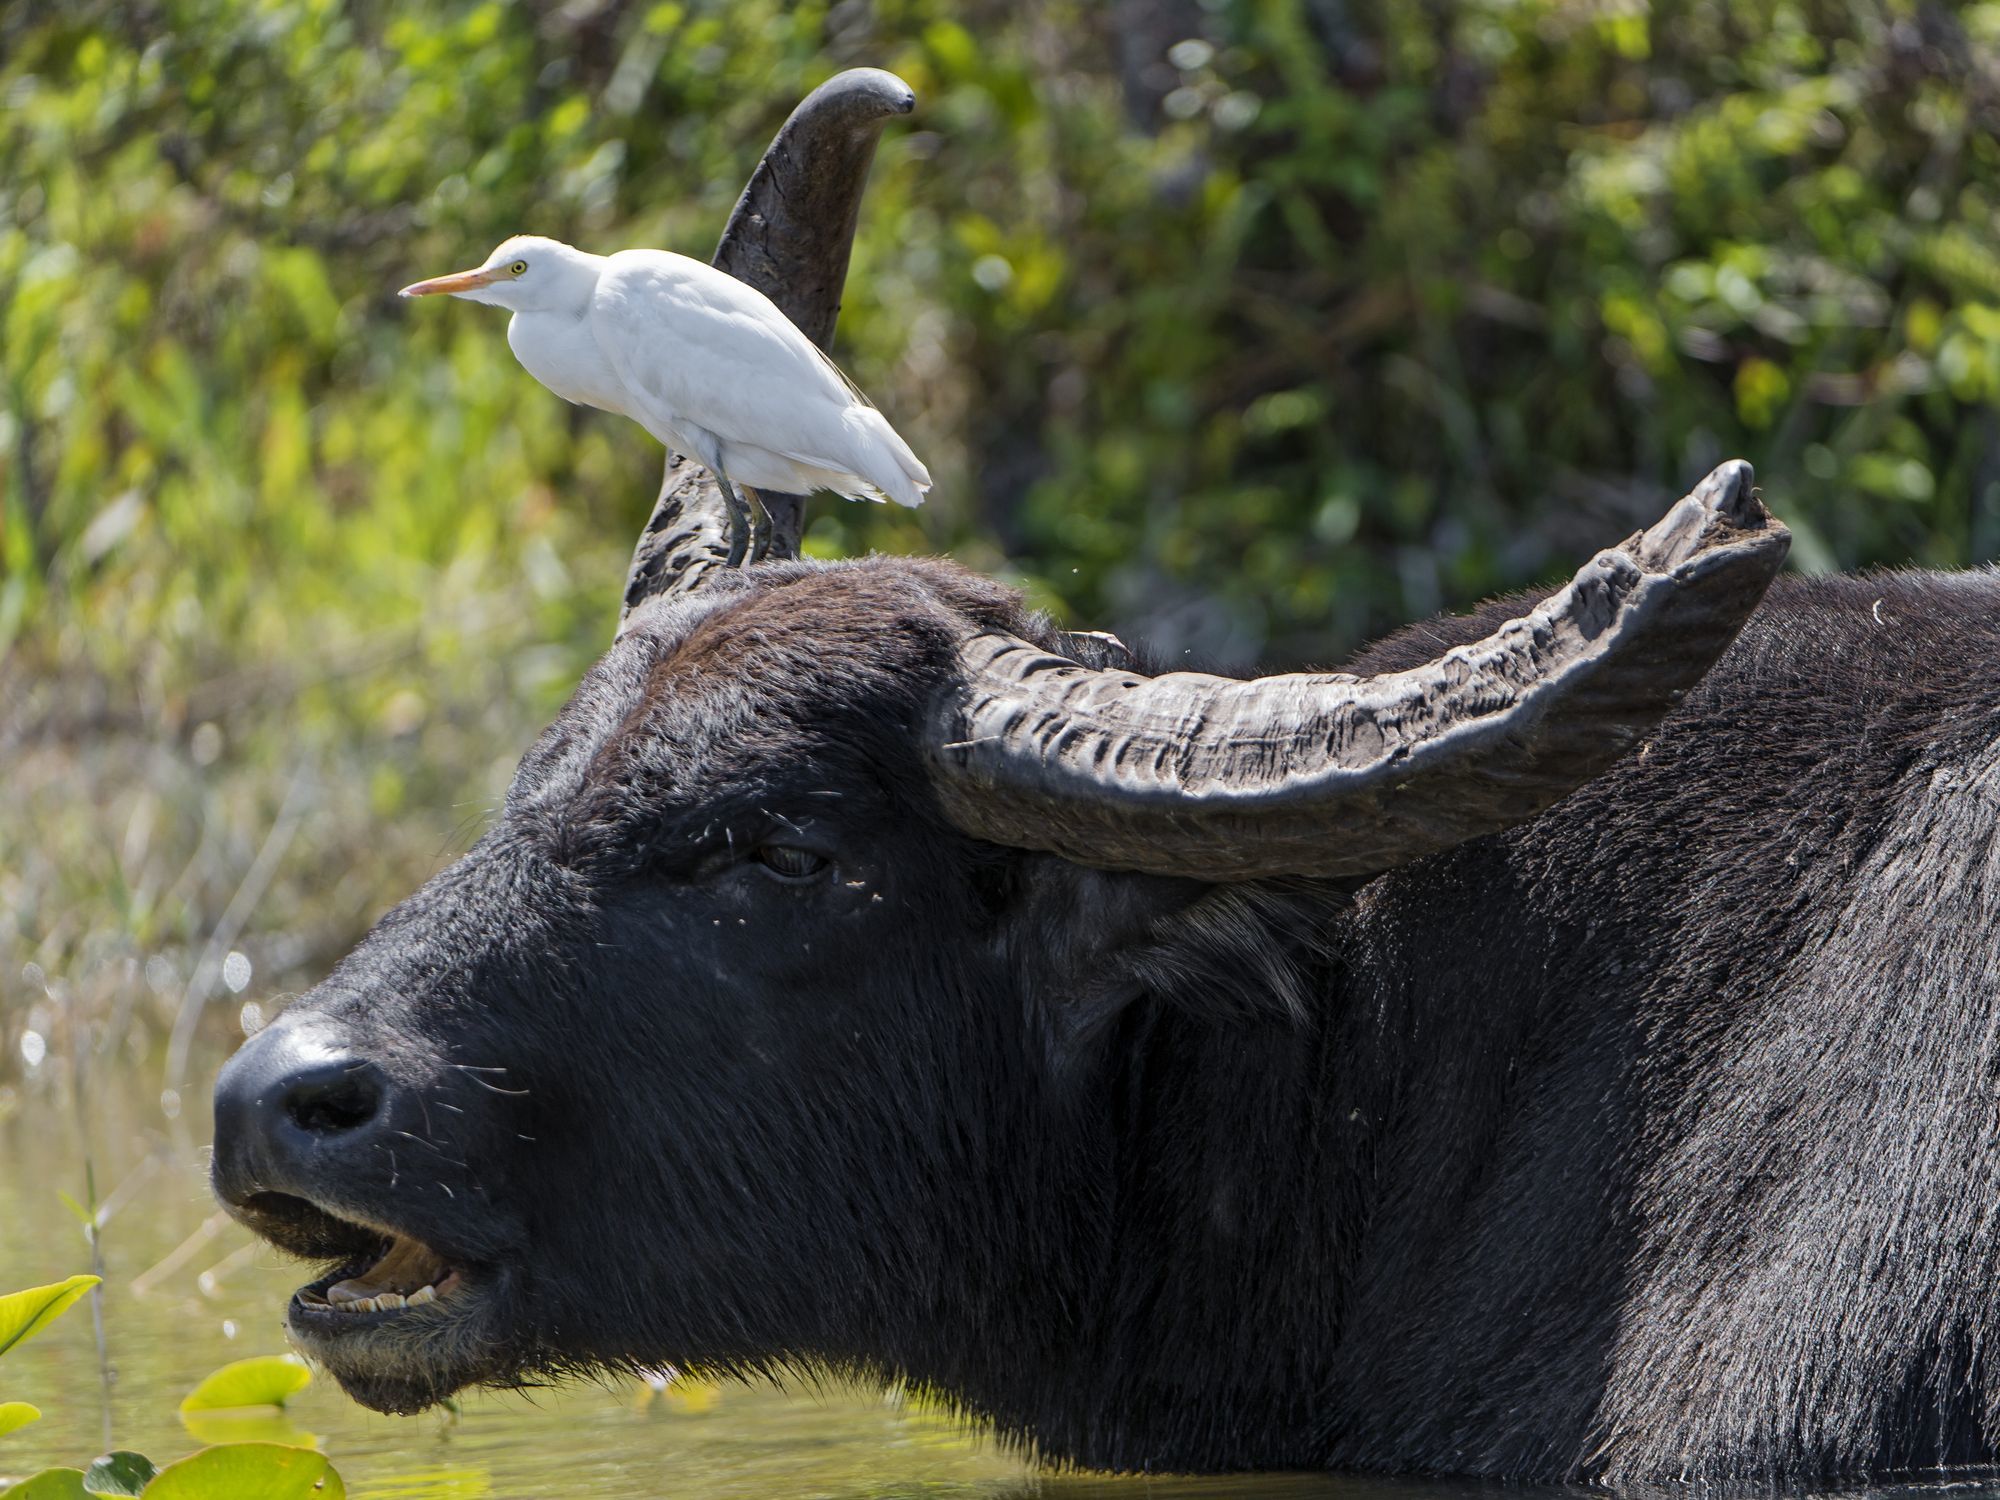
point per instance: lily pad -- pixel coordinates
(16, 1414)
(25, 1314)
(51, 1484)
(269, 1471)
(247, 1424)
(266, 1380)
(123, 1474)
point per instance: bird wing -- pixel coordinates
(698, 348)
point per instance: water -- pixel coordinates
(186, 1291)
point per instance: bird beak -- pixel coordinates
(458, 281)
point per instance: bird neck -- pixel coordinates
(579, 283)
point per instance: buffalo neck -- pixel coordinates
(1198, 1197)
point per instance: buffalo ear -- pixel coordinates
(1096, 942)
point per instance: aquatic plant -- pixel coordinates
(246, 1397)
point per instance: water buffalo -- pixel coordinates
(1535, 1054)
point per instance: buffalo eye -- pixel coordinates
(789, 862)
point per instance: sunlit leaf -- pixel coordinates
(17, 1414)
(266, 1380)
(120, 1473)
(51, 1484)
(25, 1314)
(237, 1471)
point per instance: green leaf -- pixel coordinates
(51, 1484)
(266, 1380)
(17, 1414)
(25, 1314)
(268, 1471)
(121, 1473)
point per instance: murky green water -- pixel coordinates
(186, 1291)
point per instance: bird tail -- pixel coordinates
(885, 461)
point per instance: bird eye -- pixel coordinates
(518, 267)
(789, 862)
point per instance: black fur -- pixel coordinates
(1655, 1139)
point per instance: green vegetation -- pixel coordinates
(227, 1471)
(25, 1314)
(268, 1380)
(1254, 326)
(22, 1316)
(268, 1470)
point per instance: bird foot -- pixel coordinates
(742, 530)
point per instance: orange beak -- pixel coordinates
(458, 281)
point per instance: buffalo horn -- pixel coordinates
(1331, 775)
(789, 237)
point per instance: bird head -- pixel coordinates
(527, 273)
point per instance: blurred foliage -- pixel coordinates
(1251, 326)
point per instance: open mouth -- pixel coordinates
(401, 1321)
(379, 1274)
(401, 1277)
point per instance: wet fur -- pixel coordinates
(1652, 1140)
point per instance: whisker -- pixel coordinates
(473, 1073)
(496, 1089)
(433, 1146)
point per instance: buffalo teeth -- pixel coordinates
(381, 1301)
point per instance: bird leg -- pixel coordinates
(760, 523)
(741, 531)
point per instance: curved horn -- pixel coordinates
(1335, 775)
(789, 237)
(794, 225)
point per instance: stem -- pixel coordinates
(91, 1226)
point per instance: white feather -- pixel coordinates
(706, 363)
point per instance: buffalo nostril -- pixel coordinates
(334, 1097)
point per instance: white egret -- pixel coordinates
(704, 362)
